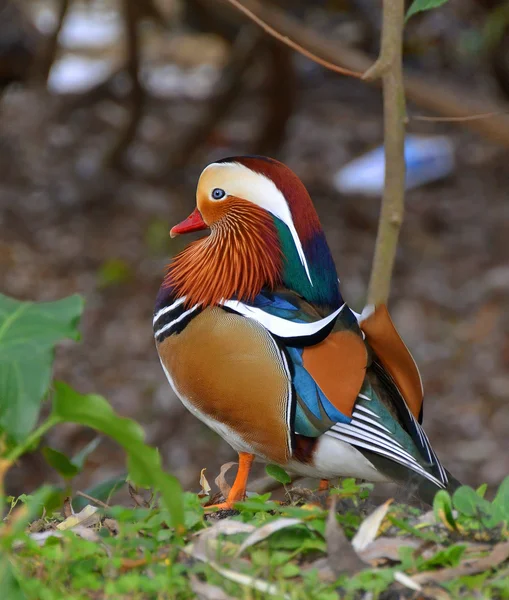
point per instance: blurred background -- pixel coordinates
(109, 110)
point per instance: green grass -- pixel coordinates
(133, 553)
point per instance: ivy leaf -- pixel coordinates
(143, 462)
(28, 334)
(422, 5)
(60, 463)
(278, 473)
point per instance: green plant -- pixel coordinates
(29, 333)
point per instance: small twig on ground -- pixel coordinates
(389, 67)
(92, 499)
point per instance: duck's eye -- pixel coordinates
(218, 193)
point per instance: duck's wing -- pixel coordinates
(327, 356)
(367, 396)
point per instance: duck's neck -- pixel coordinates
(318, 283)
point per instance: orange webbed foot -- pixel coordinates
(238, 490)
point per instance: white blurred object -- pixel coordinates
(75, 74)
(172, 81)
(427, 159)
(84, 28)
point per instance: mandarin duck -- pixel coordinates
(257, 342)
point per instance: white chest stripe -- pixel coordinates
(172, 323)
(277, 325)
(168, 309)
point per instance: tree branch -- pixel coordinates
(436, 96)
(289, 42)
(390, 67)
(114, 155)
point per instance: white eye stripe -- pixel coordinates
(262, 191)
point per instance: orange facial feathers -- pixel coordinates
(239, 257)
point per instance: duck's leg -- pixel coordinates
(238, 489)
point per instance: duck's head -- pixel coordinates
(264, 233)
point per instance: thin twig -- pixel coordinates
(487, 115)
(92, 499)
(286, 40)
(390, 66)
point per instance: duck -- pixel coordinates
(255, 339)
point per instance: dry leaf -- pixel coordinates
(340, 554)
(204, 545)
(322, 568)
(265, 531)
(220, 480)
(407, 581)
(67, 509)
(251, 582)
(86, 533)
(111, 525)
(88, 517)
(40, 537)
(498, 555)
(225, 527)
(435, 592)
(139, 500)
(206, 591)
(369, 527)
(388, 548)
(204, 485)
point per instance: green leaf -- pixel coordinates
(143, 462)
(470, 504)
(481, 490)
(278, 473)
(79, 459)
(28, 334)
(60, 462)
(448, 557)
(422, 5)
(10, 581)
(34, 507)
(501, 499)
(442, 507)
